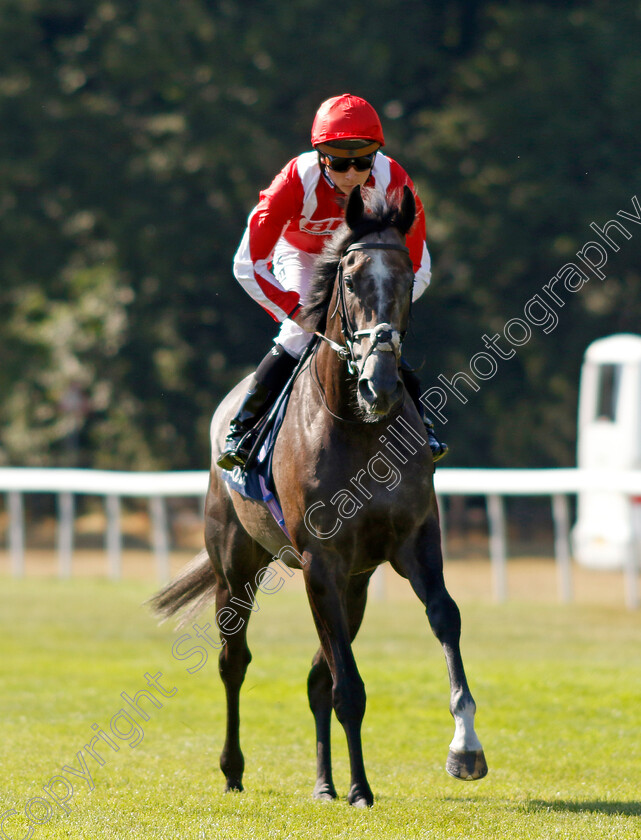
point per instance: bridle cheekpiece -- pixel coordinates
(383, 336)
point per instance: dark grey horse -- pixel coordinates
(354, 475)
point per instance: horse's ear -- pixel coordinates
(355, 208)
(407, 212)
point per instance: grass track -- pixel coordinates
(558, 691)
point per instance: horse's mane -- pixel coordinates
(379, 215)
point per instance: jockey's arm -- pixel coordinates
(419, 254)
(276, 207)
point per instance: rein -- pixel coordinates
(382, 336)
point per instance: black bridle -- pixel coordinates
(382, 336)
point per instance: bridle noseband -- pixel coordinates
(382, 336)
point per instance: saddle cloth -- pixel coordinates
(257, 482)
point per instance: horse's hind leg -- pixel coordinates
(236, 567)
(319, 690)
(334, 678)
(232, 666)
(423, 566)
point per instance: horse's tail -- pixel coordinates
(190, 591)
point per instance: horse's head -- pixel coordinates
(372, 297)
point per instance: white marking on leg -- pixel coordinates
(465, 738)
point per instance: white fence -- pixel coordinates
(495, 485)
(112, 487)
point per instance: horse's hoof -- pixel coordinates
(467, 766)
(361, 802)
(360, 797)
(233, 787)
(324, 792)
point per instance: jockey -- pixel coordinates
(287, 230)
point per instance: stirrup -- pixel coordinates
(236, 451)
(439, 449)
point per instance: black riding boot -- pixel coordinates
(413, 385)
(265, 386)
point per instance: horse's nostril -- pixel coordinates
(366, 391)
(380, 400)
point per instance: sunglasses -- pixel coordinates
(342, 164)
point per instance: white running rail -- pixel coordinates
(495, 485)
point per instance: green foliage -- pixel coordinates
(537, 138)
(72, 355)
(135, 138)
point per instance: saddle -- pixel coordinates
(255, 480)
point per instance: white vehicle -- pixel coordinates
(609, 438)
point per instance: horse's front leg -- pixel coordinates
(422, 564)
(327, 593)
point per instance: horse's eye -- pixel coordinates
(349, 283)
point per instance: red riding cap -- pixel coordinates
(346, 117)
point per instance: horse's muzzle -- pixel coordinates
(381, 394)
(379, 385)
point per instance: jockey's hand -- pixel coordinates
(302, 323)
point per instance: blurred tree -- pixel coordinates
(135, 138)
(536, 139)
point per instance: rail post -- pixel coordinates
(561, 517)
(114, 536)
(160, 536)
(66, 506)
(498, 545)
(16, 532)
